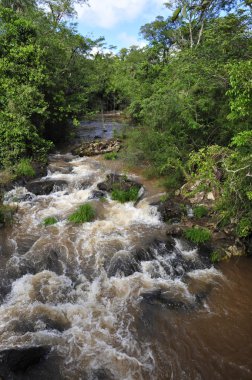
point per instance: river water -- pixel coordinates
(114, 298)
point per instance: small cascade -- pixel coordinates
(79, 289)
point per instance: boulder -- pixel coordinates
(116, 181)
(45, 187)
(170, 211)
(95, 147)
(18, 360)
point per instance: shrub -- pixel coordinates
(50, 220)
(200, 211)
(24, 168)
(85, 213)
(123, 196)
(111, 156)
(198, 235)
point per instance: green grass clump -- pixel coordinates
(24, 168)
(215, 257)
(85, 213)
(244, 227)
(111, 156)
(49, 221)
(198, 235)
(200, 211)
(123, 196)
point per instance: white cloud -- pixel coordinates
(130, 40)
(109, 13)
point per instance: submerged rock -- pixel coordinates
(18, 360)
(45, 187)
(123, 263)
(97, 147)
(168, 299)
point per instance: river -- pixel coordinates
(114, 298)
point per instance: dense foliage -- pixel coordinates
(189, 91)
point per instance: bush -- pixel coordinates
(111, 156)
(50, 220)
(24, 168)
(123, 196)
(200, 211)
(198, 235)
(85, 213)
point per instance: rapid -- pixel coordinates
(116, 298)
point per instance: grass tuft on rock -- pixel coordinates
(215, 257)
(123, 196)
(198, 235)
(49, 221)
(200, 211)
(85, 213)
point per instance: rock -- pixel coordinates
(198, 197)
(169, 299)
(18, 360)
(122, 263)
(101, 374)
(210, 196)
(97, 147)
(175, 230)
(233, 251)
(119, 182)
(45, 187)
(170, 210)
(97, 194)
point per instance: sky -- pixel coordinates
(119, 21)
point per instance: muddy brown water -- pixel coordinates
(112, 298)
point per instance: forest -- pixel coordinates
(188, 92)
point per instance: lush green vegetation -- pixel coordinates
(49, 221)
(85, 213)
(123, 196)
(189, 92)
(198, 235)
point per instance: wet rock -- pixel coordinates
(97, 147)
(154, 248)
(45, 187)
(116, 181)
(167, 298)
(18, 194)
(170, 210)
(175, 230)
(18, 360)
(122, 263)
(97, 194)
(101, 374)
